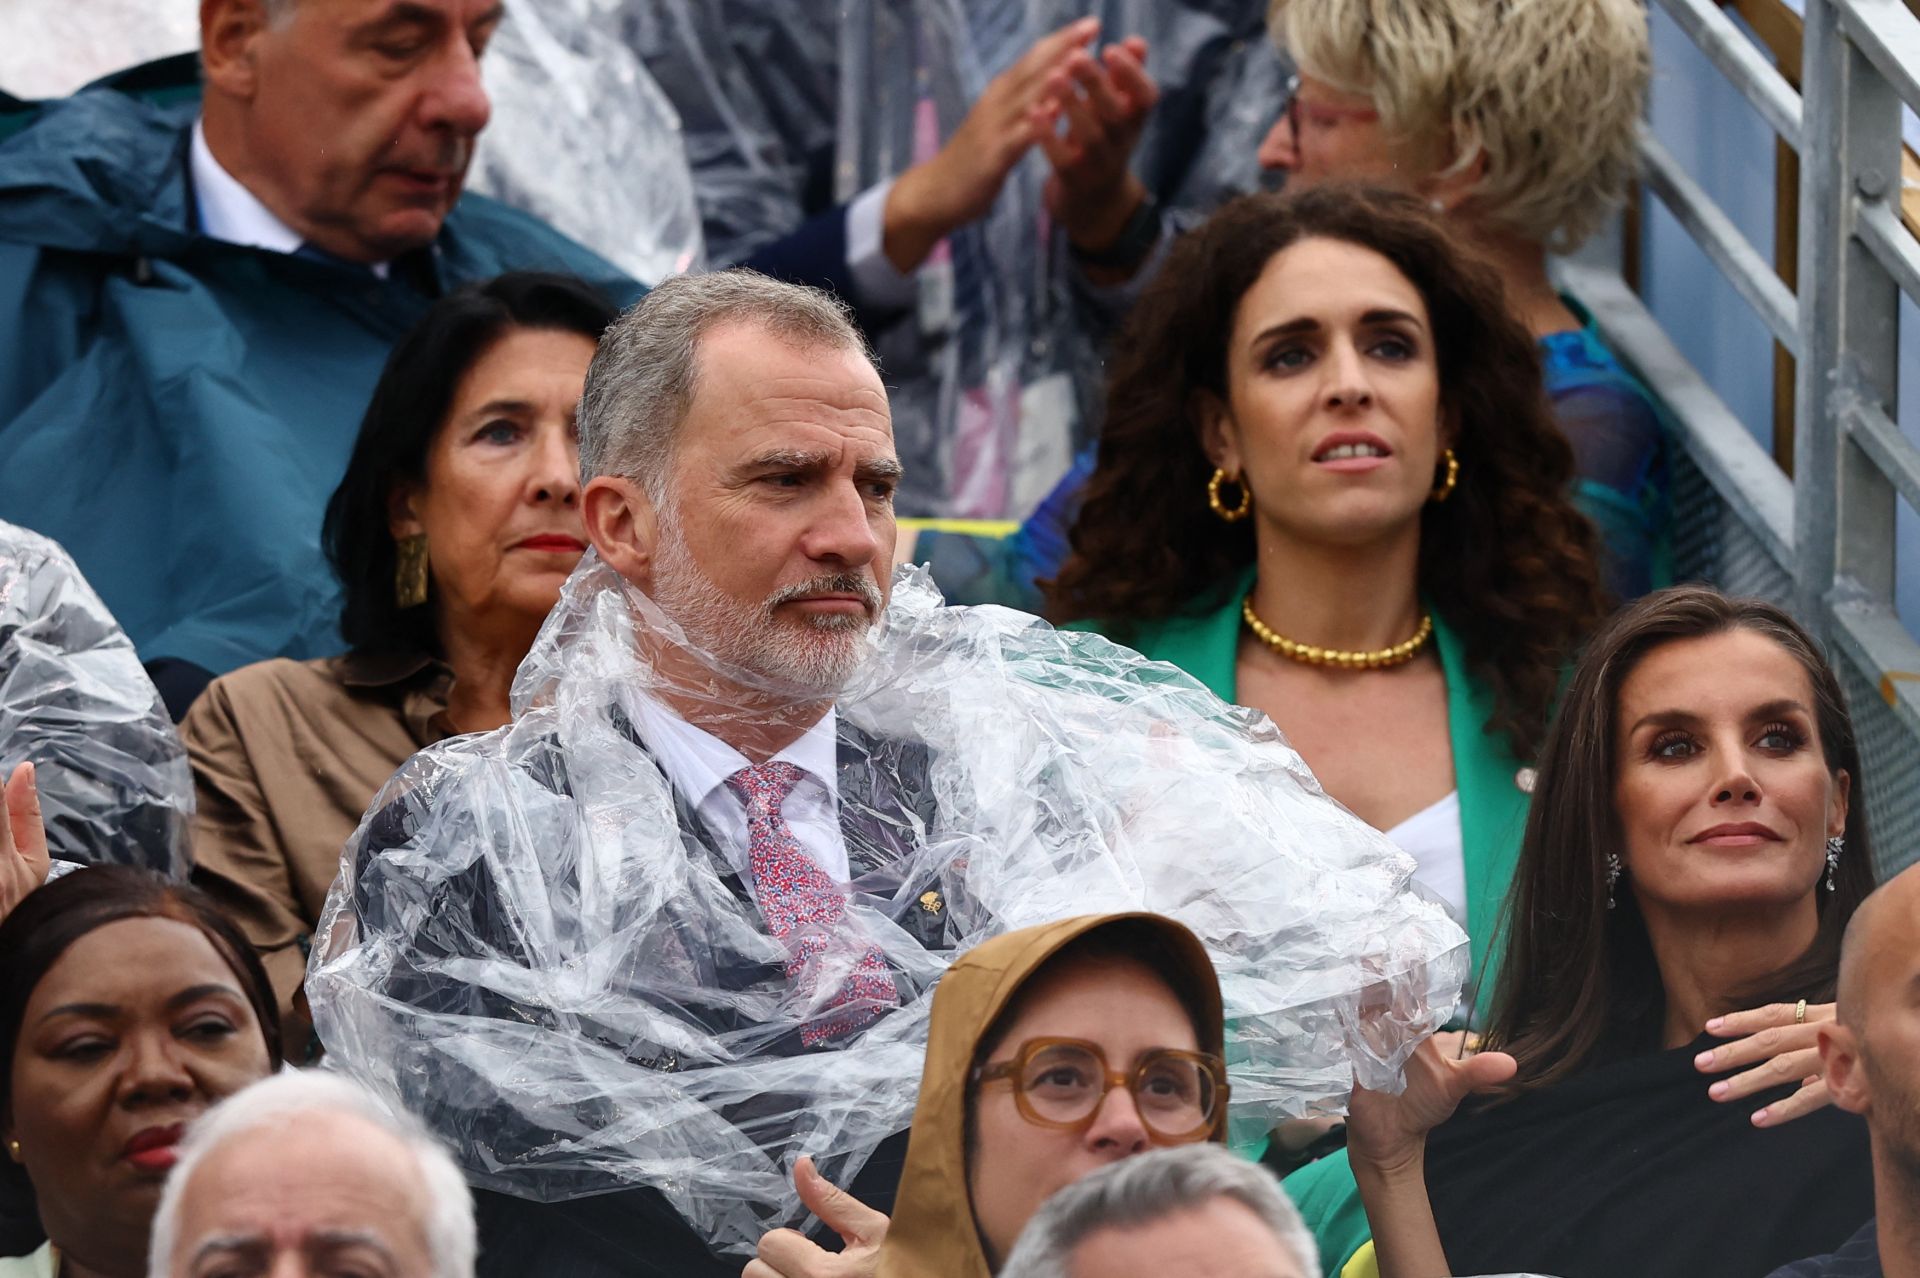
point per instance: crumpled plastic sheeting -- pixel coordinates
(1221, 82)
(791, 106)
(522, 949)
(958, 366)
(997, 379)
(53, 49)
(582, 138)
(114, 783)
(754, 83)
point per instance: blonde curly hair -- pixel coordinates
(1549, 91)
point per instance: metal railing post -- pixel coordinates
(1849, 315)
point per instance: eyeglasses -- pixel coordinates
(1327, 115)
(1062, 1082)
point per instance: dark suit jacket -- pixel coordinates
(885, 807)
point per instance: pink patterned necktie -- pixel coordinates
(802, 906)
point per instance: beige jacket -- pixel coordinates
(286, 757)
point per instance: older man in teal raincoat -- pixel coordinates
(199, 285)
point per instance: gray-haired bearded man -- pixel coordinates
(680, 921)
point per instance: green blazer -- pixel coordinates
(1204, 642)
(1493, 808)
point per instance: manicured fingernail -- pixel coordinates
(1720, 1089)
(1703, 1060)
(1716, 1023)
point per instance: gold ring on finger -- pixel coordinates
(1800, 1012)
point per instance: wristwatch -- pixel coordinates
(1131, 246)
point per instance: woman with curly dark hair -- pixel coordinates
(1330, 488)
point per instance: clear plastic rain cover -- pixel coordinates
(537, 943)
(582, 138)
(113, 778)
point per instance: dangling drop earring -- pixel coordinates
(1613, 876)
(410, 571)
(1835, 846)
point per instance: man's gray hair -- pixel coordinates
(642, 378)
(292, 1093)
(1149, 1187)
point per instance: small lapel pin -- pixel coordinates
(931, 902)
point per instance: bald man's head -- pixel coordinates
(1881, 948)
(1871, 1053)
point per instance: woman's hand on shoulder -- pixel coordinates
(787, 1253)
(23, 840)
(1388, 1133)
(1772, 1045)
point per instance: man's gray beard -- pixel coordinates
(816, 656)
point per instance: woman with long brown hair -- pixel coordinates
(1697, 845)
(1330, 488)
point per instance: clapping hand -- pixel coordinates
(787, 1253)
(1780, 1044)
(23, 840)
(1105, 102)
(930, 201)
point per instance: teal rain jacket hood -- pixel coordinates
(176, 410)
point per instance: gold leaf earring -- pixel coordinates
(1228, 514)
(410, 571)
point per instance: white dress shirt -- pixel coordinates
(879, 283)
(233, 214)
(699, 763)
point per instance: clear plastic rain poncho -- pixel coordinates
(535, 944)
(75, 701)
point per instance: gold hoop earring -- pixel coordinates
(410, 571)
(1445, 488)
(1231, 515)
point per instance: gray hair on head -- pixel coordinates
(642, 379)
(1150, 1187)
(296, 1093)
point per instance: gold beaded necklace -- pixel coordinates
(1307, 654)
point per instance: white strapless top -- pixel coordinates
(1431, 837)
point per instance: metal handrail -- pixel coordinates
(1882, 232)
(1889, 35)
(1873, 431)
(1722, 241)
(1757, 491)
(1708, 26)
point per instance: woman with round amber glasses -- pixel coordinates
(1052, 1051)
(1063, 1083)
